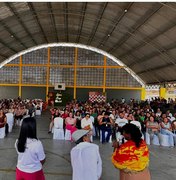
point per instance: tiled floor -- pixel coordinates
(58, 167)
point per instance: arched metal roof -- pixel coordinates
(141, 34)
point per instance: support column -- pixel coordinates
(104, 77)
(143, 94)
(20, 77)
(75, 72)
(47, 74)
(162, 93)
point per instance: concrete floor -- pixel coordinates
(58, 167)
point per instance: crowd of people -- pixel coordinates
(12, 111)
(105, 120)
(125, 123)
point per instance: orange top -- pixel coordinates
(128, 157)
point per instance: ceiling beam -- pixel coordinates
(52, 19)
(138, 24)
(152, 76)
(147, 40)
(4, 56)
(66, 21)
(162, 82)
(156, 68)
(168, 6)
(157, 53)
(98, 20)
(10, 6)
(131, 55)
(13, 35)
(84, 7)
(37, 20)
(115, 22)
(7, 45)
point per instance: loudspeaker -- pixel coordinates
(59, 86)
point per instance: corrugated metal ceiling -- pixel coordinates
(142, 35)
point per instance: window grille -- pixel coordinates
(86, 76)
(15, 61)
(61, 75)
(110, 62)
(9, 75)
(54, 55)
(87, 57)
(90, 77)
(66, 56)
(119, 77)
(34, 75)
(36, 57)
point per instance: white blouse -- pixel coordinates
(29, 160)
(86, 122)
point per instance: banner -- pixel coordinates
(97, 97)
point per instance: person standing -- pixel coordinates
(3, 123)
(85, 157)
(132, 157)
(30, 152)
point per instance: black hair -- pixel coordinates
(87, 114)
(107, 113)
(135, 133)
(28, 130)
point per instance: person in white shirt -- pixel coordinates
(137, 123)
(30, 152)
(158, 113)
(87, 124)
(123, 100)
(85, 157)
(119, 123)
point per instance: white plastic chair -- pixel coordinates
(175, 140)
(147, 138)
(164, 140)
(106, 133)
(10, 120)
(155, 140)
(2, 133)
(37, 112)
(33, 114)
(58, 131)
(67, 134)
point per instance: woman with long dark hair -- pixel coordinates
(30, 151)
(132, 157)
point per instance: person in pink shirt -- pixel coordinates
(70, 123)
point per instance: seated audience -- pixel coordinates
(166, 129)
(152, 128)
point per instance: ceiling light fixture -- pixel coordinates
(125, 10)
